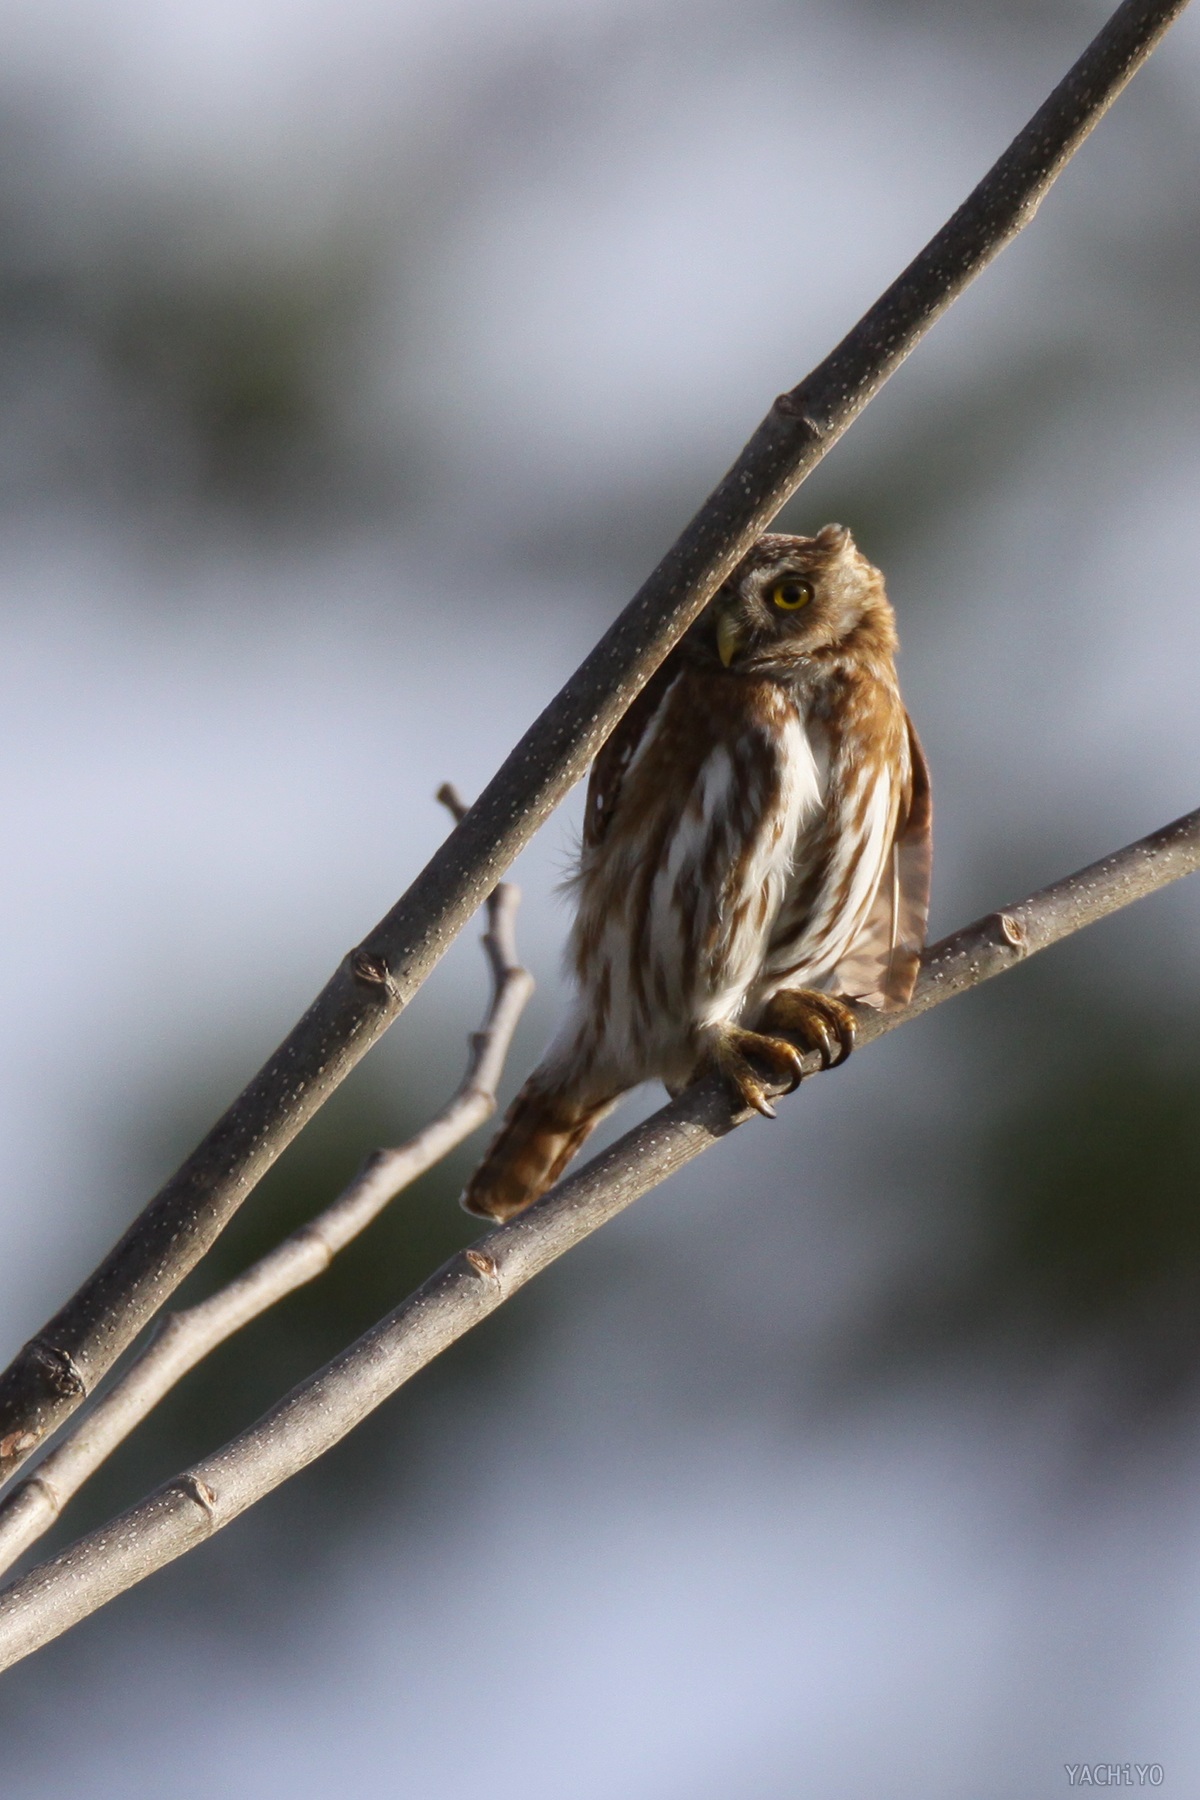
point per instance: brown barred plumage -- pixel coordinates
(756, 843)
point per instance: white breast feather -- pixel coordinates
(796, 800)
(827, 935)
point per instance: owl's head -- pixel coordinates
(793, 596)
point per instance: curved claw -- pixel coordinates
(817, 1020)
(818, 1029)
(734, 1053)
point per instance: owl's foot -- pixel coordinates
(819, 1021)
(740, 1055)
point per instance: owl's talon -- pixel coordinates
(734, 1053)
(819, 1021)
(821, 1040)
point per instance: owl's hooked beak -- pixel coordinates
(730, 636)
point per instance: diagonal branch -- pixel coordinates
(187, 1337)
(66, 1359)
(472, 1284)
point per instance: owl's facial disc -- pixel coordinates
(790, 598)
(744, 622)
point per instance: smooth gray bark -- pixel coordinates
(472, 1284)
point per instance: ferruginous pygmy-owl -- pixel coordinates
(756, 844)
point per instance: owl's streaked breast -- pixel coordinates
(677, 903)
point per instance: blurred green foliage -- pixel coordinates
(1076, 1227)
(1094, 1185)
(173, 357)
(245, 366)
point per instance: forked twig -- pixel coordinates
(473, 1283)
(70, 1355)
(188, 1336)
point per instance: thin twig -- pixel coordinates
(186, 1337)
(66, 1359)
(473, 1283)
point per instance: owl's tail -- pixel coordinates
(542, 1130)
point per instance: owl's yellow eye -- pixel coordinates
(790, 595)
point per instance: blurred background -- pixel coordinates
(357, 361)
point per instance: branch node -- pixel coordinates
(791, 406)
(53, 1498)
(59, 1369)
(312, 1234)
(368, 967)
(485, 1266)
(452, 800)
(200, 1492)
(1014, 931)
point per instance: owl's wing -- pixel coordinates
(618, 751)
(881, 964)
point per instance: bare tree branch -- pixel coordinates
(472, 1284)
(66, 1359)
(187, 1337)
